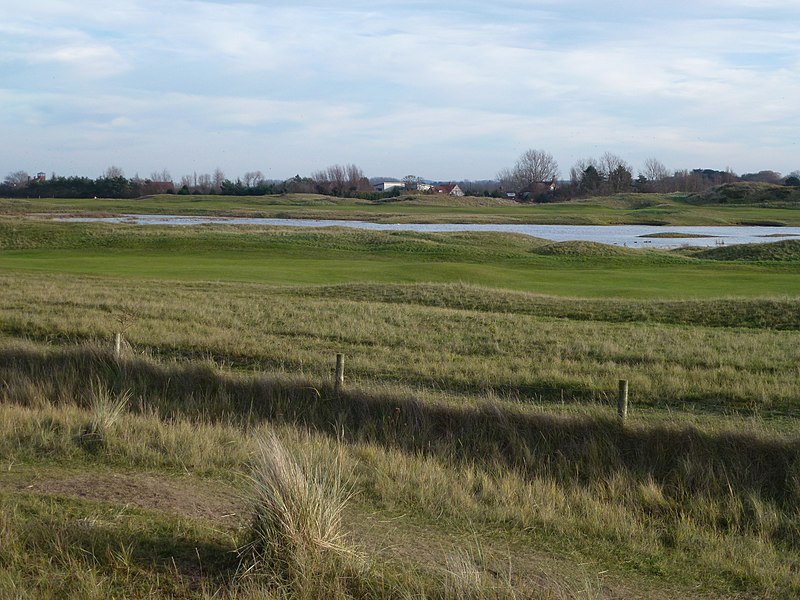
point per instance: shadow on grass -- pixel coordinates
(87, 536)
(685, 461)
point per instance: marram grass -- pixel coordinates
(686, 503)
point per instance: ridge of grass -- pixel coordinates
(782, 251)
(456, 339)
(742, 192)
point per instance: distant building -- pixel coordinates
(41, 176)
(385, 186)
(451, 189)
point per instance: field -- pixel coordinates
(473, 451)
(750, 205)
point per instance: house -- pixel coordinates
(451, 189)
(385, 186)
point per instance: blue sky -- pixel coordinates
(442, 90)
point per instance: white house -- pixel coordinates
(385, 186)
(450, 189)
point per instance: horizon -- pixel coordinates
(449, 92)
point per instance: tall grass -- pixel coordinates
(667, 469)
(469, 341)
(297, 513)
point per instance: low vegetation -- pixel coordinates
(765, 194)
(473, 452)
(730, 204)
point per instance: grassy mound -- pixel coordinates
(747, 193)
(583, 249)
(455, 201)
(675, 235)
(786, 250)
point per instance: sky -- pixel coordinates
(446, 90)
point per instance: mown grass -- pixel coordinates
(279, 256)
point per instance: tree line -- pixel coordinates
(336, 180)
(535, 176)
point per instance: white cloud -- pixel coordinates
(462, 85)
(86, 59)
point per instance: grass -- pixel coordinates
(473, 452)
(682, 500)
(277, 256)
(759, 206)
(469, 340)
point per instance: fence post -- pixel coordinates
(117, 345)
(339, 381)
(622, 400)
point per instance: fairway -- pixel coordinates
(325, 256)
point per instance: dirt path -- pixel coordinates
(396, 537)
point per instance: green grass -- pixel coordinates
(684, 501)
(657, 209)
(281, 256)
(476, 429)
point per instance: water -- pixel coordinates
(633, 236)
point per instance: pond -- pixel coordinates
(634, 236)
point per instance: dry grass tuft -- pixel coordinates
(297, 515)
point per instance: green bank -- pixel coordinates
(338, 256)
(740, 205)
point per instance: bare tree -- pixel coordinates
(218, 178)
(322, 183)
(654, 176)
(161, 176)
(253, 178)
(340, 180)
(608, 163)
(17, 179)
(688, 181)
(204, 183)
(654, 170)
(411, 182)
(113, 172)
(355, 179)
(337, 175)
(532, 169)
(506, 179)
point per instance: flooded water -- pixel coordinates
(634, 236)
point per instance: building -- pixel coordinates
(451, 189)
(385, 186)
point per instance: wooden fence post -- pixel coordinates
(117, 345)
(339, 381)
(622, 400)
